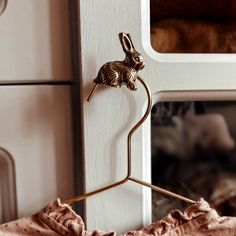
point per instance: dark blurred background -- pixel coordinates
(193, 26)
(194, 154)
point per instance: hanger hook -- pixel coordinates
(92, 93)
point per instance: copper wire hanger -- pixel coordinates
(116, 74)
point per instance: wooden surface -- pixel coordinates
(36, 120)
(36, 130)
(35, 43)
(112, 112)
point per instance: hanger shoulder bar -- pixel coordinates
(161, 190)
(138, 181)
(88, 194)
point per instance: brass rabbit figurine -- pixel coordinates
(118, 73)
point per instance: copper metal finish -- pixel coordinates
(118, 73)
(92, 93)
(129, 177)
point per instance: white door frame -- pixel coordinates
(112, 112)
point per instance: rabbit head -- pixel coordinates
(133, 59)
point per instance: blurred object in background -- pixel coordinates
(193, 26)
(194, 154)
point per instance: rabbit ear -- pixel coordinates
(126, 42)
(128, 35)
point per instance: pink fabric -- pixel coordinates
(59, 219)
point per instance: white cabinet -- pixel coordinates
(35, 128)
(111, 113)
(36, 120)
(35, 40)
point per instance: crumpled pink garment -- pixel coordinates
(59, 219)
(197, 220)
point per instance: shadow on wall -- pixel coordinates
(49, 122)
(3, 5)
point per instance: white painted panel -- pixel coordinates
(108, 118)
(34, 42)
(35, 125)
